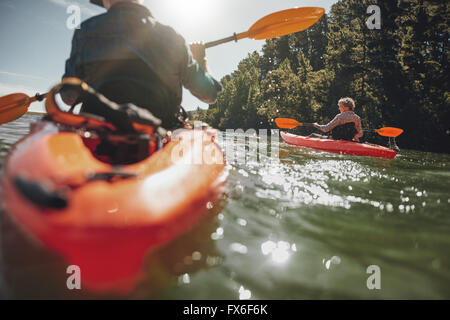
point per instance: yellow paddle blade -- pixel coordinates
(389, 132)
(286, 123)
(285, 22)
(13, 106)
(277, 24)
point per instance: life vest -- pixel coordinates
(345, 131)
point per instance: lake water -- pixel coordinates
(306, 227)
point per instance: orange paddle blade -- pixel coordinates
(13, 106)
(389, 132)
(285, 22)
(277, 24)
(286, 123)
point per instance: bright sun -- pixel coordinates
(190, 9)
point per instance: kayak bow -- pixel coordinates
(103, 217)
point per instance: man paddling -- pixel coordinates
(128, 56)
(346, 125)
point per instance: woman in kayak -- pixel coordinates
(129, 57)
(346, 125)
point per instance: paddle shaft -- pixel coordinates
(288, 123)
(25, 102)
(303, 124)
(235, 37)
(37, 97)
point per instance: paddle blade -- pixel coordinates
(286, 123)
(285, 22)
(389, 132)
(13, 106)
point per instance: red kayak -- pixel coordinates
(339, 146)
(104, 217)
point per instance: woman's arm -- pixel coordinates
(359, 130)
(330, 126)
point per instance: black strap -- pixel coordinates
(109, 176)
(121, 115)
(42, 195)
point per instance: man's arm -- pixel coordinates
(359, 130)
(330, 126)
(195, 74)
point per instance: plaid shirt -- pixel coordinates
(343, 118)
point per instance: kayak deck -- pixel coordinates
(339, 146)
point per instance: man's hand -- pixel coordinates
(199, 54)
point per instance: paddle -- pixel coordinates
(273, 25)
(277, 24)
(388, 132)
(15, 105)
(286, 123)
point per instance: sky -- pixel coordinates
(36, 40)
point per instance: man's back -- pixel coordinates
(130, 57)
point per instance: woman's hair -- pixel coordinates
(347, 102)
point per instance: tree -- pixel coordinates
(398, 75)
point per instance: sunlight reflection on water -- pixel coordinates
(309, 225)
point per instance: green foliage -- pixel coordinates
(398, 75)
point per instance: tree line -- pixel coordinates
(398, 74)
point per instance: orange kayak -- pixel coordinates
(106, 218)
(339, 146)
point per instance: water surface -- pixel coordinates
(306, 227)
